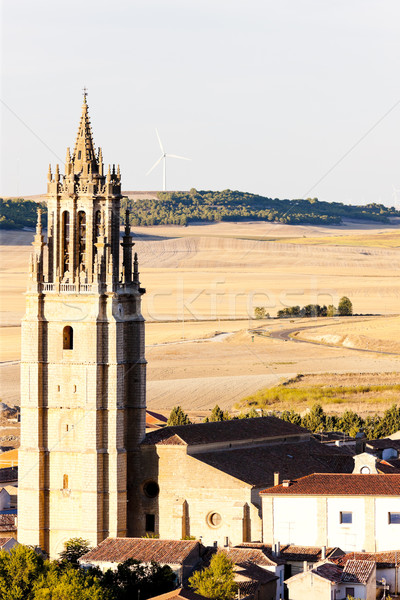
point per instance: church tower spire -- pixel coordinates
(83, 368)
(84, 158)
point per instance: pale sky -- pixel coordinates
(263, 96)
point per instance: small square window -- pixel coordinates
(349, 592)
(394, 518)
(346, 517)
(150, 523)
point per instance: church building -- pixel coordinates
(86, 466)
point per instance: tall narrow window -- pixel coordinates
(150, 523)
(81, 236)
(65, 482)
(68, 338)
(65, 241)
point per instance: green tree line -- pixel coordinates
(181, 208)
(315, 420)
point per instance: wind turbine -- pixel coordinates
(164, 157)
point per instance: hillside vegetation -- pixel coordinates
(181, 208)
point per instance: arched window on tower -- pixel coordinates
(81, 237)
(68, 338)
(65, 240)
(97, 223)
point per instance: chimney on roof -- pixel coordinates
(278, 549)
(305, 566)
(276, 478)
(360, 442)
(323, 552)
(215, 544)
(286, 483)
(226, 542)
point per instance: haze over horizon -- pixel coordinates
(264, 97)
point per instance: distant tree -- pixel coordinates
(74, 548)
(217, 414)
(315, 420)
(178, 417)
(217, 581)
(389, 423)
(291, 416)
(345, 307)
(260, 312)
(350, 423)
(331, 311)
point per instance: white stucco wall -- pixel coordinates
(295, 521)
(387, 536)
(348, 536)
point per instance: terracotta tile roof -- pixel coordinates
(143, 549)
(257, 465)
(4, 540)
(224, 431)
(329, 571)
(7, 523)
(250, 570)
(388, 558)
(154, 418)
(292, 552)
(357, 571)
(334, 484)
(179, 593)
(241, 556)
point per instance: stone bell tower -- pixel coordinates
(83, 370)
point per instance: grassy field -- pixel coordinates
(353, 391)
(381, 240)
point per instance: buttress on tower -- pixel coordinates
(83, 369)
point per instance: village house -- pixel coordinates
(182, 556)
(327, 581)
(295, 556)
(352, 511)
(387, 567)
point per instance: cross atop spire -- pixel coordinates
(84, 157)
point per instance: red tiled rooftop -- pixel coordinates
(142, 549)
(259, 428)
(4, 540)
(292, 552)
(329, 571)
(343, 484)
(384, 559)
(357, 571)
(243, 556)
